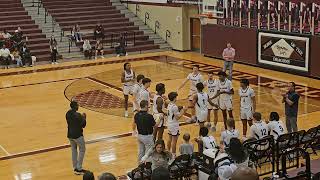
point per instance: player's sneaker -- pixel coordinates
(126, 114)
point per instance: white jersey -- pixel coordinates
(225, 86)
(246, 97)
(209, 142)
(173, 112)
(155, 98)
(276, 128)
(144, 95)
(194, 79)
(259, 130)
(213, 87)
(129, 77)
(227, 135)
(202, 103)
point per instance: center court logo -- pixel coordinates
(282, 49)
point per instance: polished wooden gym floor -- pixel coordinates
(33, 143)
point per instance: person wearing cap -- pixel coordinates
(76, 122)
(228, 56)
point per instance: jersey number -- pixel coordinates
(213, 145)
(263, 132)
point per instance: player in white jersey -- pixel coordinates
(174, 114)
(225, 96)
(205, 141)
(226, 135)
(213, 92)
(127, 78)
(159, 111)
(136, 93)
(275, 127)
(200, 102)
(194, 78)
(247, 104)
(259, 129)
(144, 93)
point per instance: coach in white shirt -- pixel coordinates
(5, 55)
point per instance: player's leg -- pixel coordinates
(223, 108)
(215, 120)
(160, 132)
(169, 142)
(174, 144)
(229, 108)
(208, 117)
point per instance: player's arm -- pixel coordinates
(215, 96)
(122, 78)
(211, 103)
(231, 91)
(254, 103)
(134, 126)
(135, 97)
(178, 114)
(160, 105)
(194, 100)
(183, 84)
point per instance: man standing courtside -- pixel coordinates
(228, 56)
(291, 100)
(76, 123)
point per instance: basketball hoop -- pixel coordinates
(204, 18)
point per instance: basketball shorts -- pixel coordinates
(160, 119)
(127, 89)
(246, 113)
(173, 130)
(201, 115)
(225, 104)
(191, 93)
(215, 101)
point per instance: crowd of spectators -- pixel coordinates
(14, 49)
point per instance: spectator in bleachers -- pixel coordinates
(5, 56)
(238, 153)
(275, 127)
(158, 155)
(87, 49)
(231, 132)
(121, 49)
(99, 49)
(6, 34)
(17, 57)
(205, 141)
(160, 173)
(98, 32)
(17, 38)
(54, 50)
(259, 129)
(291, 101)
(186, 147)
(107, 176)
(245, 173)
(88, 175)
(25, 55)
(76, 33)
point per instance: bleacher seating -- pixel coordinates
(12, 16)
(89, 13)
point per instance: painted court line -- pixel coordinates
(7, 153)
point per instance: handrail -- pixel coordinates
(70, 44)
(38, 8)
(156, 26)
(146, 17)
(61, 35)
(137, 9)
(168, 35)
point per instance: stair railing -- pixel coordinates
(168, 35)
(146, 17)
(156, 26)
(137, 9)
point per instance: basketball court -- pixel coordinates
(33, 142)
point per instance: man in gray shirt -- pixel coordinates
(291, 100)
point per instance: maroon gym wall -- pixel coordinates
(216, 37)
(315, 56)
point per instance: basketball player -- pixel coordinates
(205, 141)
(174, 114)
(225, 96)
(247, 104)
(159, 111)
(259, 129)
(194, 77)
(136, 93)
(231, 132)
(275, 127)
(144, 93)
(213, 92)
(200, 102)
(127, 78)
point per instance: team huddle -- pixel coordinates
(218, 96)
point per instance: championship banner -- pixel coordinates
(287, 51)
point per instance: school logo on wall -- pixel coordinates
(287, 51)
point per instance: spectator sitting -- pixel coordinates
(160, 173)
(17, 57)
(186, 147)
(6, 34)
(25, 55)
(5, 56)
(107, 176)
(99, 49)
(159, 157)
(120, 49)
(17, 38)
(98, 32)
(19, 32)
(87, 49)
(88, 175)
(76, 33)
(238, 153)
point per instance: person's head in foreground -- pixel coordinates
(88, 175)
(160, 173)
(107, 176)
(245, 173)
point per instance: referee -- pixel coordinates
(144, 123)
(76, 122)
